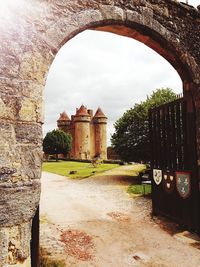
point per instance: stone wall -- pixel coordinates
(31, 33)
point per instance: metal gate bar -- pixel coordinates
(173, 151)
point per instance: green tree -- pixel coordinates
(131, 137)
(57, 142)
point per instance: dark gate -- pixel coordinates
(175, 191)
(35, 240)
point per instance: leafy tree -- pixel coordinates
(131, 137)
(57, 142)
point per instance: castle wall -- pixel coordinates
(82, 140)
(72, 132)
(65, 128)
(92, 141)
(100, 139)
(88, 133)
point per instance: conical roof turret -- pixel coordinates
(82, 111)
(99, 113)
(82, 115)
(63, 117)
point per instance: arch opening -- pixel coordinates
(137, 50)
(120, 29)
(161, 43)
(30, 40)
(154, 41)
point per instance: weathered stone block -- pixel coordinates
(18, 202)
(14, 241)
(28, 133)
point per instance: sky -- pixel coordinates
(192, 2)
(107, 70)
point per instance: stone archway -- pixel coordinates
(31, 34)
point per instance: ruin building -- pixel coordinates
(88, 133)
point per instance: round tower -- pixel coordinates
(63, 122)
(82, 121)
(100, 124)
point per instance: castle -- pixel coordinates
(88, 133)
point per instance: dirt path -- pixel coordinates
(94, 222)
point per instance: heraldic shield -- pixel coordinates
(157, 176)
(168, 181)
(183, 184)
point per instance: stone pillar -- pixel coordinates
(14, 244)
(22, 77)
(20, 171)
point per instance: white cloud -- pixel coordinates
(192, 2)
(102, 69)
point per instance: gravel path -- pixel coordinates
(94, 222)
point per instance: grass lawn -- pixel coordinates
(135, 169)
(83, 170)
(138, 189)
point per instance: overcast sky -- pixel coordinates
(103, 69)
